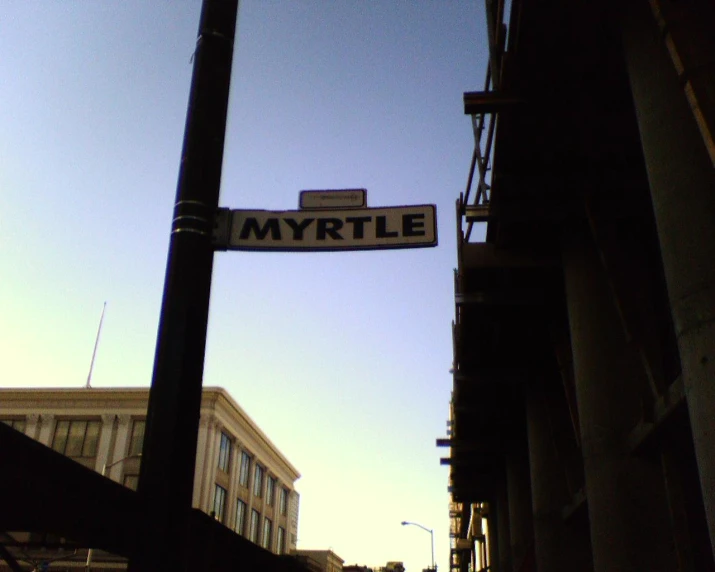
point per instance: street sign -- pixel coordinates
(344, 229)
(333, 199)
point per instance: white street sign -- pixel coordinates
(345, 229)
(333, 199)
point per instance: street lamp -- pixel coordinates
(90, 551)
(110, 465)
(431, 532)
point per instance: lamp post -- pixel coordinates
(90, 551)
(431, 532)
(110, 465)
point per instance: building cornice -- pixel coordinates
(222, 403)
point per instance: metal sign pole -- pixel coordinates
(169, 454)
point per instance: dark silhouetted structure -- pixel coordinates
(582, 422)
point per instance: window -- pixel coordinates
(258, 481)
(219, 502)
(76, 438)
(245, 469)
(253, 532)
(267, 533)
(281, 540)
(240, 527)
(131, 481)
(270, 488)
(136, 443)
(224, 453)
(284, 501)
(16, 424)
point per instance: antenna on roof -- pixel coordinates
(94, 353)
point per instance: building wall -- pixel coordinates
(323, 560)
(104, 430)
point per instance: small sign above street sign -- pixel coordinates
(344, 229)
(333, 199)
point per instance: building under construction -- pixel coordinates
(582, 422)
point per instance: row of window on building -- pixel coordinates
(224, 459)
(250, 528)
(244, 525)
(79, 439)
(257, 488)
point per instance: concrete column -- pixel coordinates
(557, 546)
(121, 446)
(502, 528)
(232, 485)
(293, 515)
(483, 557)
(249, 508)
(492, 538)
(521, 527)
(47, 428)
(210, 467)
(682, 182)
(626, 496)
(105, 439)
(32, 422)
(201, 445)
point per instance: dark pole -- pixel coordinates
(169, 453)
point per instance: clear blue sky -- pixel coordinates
(342, 358)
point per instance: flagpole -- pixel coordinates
(96, 343)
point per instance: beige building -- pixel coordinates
(320, 560)
(241, 476)
(392, 566)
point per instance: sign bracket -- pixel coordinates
(221, 229)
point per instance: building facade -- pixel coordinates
(582, 433)
(320, 560)
(391, 566)
(241, 478)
